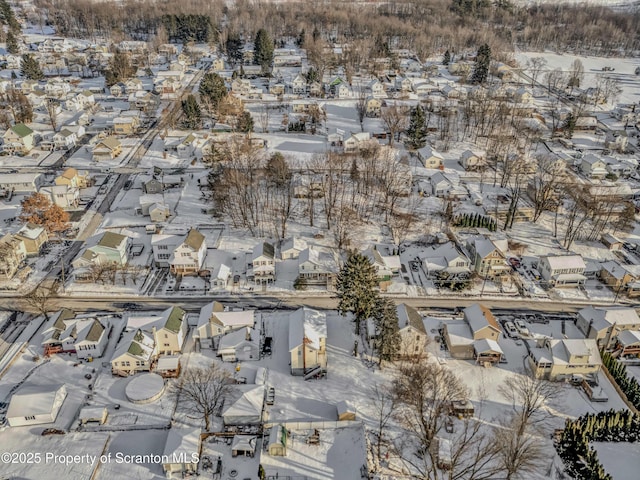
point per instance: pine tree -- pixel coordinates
(483, 59)
(212, 87)
(569, 125)
(447, 58)
(417, 130)
(192, 113)
(385, 318)
(263, 50)
(233, 45)
(30, 68)
(356, 287)
(120, 69)
(12, 43)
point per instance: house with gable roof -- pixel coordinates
(488, 259)
(476, 337)
(214, 321)
(555, 359)
(170, 331)
(19, 139)
(188, 257)
(604, 324)
(87, 337)
(107, 149)
(562, 270)
(412, 332)
(307, 340)
(135, 353)
(33, 237)
(318, 266)
(262, 266)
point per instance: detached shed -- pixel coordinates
(244, 445)
(278, 441)
(345, 411)
(35, 404)
(182, 451)
(93, 415)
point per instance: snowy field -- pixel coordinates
(621, 460)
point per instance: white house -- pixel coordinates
(21, 182)
(182, 452)
(446, 258)
(412, 332)
(562, 270)
(240, 345)
(318, 266)
(86, 337)
(214, 321)
(471, 160)
(593, 167)
(163, 245)
(307, 341)
(188, 257)
(262, 267)
(35, 404)
(291, 247)
(64, 196)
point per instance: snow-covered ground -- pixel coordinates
(621, 460)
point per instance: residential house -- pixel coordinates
(593, 167)
(135, 353)
(373, 107)
(488, 259)
(163, 247)
(33, 237)
(307, 341)
(126, 125)
(446, 259)
(170, 331)
(64, 196)
(64, 139)
(343, 91)
(561, 359)
(12, 254)
(440, 185)
(385, 261)
(299, 85)
(188, 257)
(262, 267)
(107, 149)
(628, 344)
(117, 89)
(73, 178)
(87, 337)
(112, 249)
(562, 270)
(403, 84)
(357, 141)
(430, 158)
(318, 266)
(604, 324)
(219, 268)
(471, 161)
(19, 139)
(475, 338)
(413, 335)
(214, 321)
(291, 247)
(240, 345)
(153, 186)
(35, 404)
(615, 276)
(376, 88)
(20, 182)
(183, 147)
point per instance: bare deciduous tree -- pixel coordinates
(200, 391)
(536, 65)
(383, 403)
(40, 300)
(396, 119)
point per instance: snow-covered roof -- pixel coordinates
(561, 262)
(486, 345)
(605, 317)
(479, 317)
(629, 337)
(237, 337)
(309, 324)
(32, 400)
(247, 408)
(182, 442)
(409, 316)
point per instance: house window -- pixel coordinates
(163, 247)
(166, 344)
(166, 335)
(31, 417)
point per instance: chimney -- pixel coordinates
(248, 334)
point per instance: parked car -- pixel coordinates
(511, 329)
(522, 328)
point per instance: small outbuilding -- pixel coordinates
(345, 411)
(277, 446)
(182, 451)
(93, 415)
(244, 445)
(35, 404)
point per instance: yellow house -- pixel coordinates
(171, 331)
(135, 353)
(126, 125)
(561, 359)
(73, 178)
(33, 237)
(614, 275)
(107, 149)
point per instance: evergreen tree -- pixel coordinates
(30, 68)
(447, 58)
(192, 113)
(385, 318)
(417, 130)
(213, 88)
(356, 286)
(483, 59)
(569, 125)
(263, 50)
(233, 45)
(12, 43)
(245, 122)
